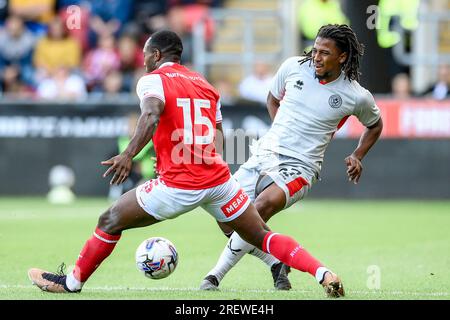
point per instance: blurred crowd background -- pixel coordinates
(77, 49)
(82, 50)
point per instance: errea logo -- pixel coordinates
(299, 84)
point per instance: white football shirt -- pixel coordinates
(310, 112)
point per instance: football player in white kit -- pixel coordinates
(310, 99)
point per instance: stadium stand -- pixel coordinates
(238, 34)
(249, 31)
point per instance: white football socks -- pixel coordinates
(320, 273)
(235, 249)
(268, 259)
(72, 283)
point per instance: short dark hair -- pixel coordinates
(346, 40)
(167, 42)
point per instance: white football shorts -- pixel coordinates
(290, 174)
(224, 202)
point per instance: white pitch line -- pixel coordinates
(121, 288)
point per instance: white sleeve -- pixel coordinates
(277, 87)
(367, 111)
(150, 86)
(218, 111)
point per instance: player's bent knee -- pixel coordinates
(109, 221)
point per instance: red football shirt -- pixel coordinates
(184, 137)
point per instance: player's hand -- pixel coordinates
(354, 168)
(120, 165)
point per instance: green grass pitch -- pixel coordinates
(403, 246)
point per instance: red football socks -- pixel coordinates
(96, 249)
(288, 251)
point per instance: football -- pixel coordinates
(156, 258)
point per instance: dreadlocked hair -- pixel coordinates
(346, 41)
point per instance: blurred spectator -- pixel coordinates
(37, 13)
(111, 88)
(150, 16)
(441, 89)
(313, 14)
(108, 17)
(195, 13)
(62, 84)
(256, 86)
(56, 49)
(113, 83)
(100, 61)
(16, 47)
(131, 58)
(12, 85)
(401, 86)
(182, 19)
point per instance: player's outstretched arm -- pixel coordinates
(367, 140)
(151, 109)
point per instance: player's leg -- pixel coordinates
(250, 226)
(275, 190)
(236, 247)
(231, 205)
(273, 201)
(126, 213)
(283, 182)
(247, 175)
(274, 194)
